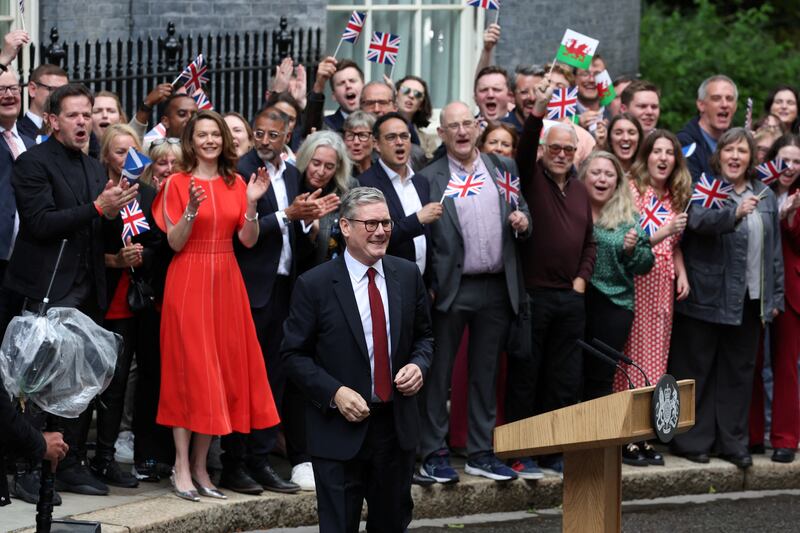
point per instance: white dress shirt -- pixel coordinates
(409, 198)
(278, 184)
(360, 282)
(21, 148)
(39, 121)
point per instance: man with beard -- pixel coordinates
(716, 105)
(346, 84)
(268, 270)
(642, 100)
(590, 112)
(525, 80)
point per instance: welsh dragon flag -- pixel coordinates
(605, 88)
(577, 49)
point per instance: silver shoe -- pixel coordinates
(190, 495)
(209, 492)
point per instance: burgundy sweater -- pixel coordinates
(561, 246)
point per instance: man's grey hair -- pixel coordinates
(382, 84)
(564, 127)
(357, 197)
(702, 91)
(359, 119)
(525, 70)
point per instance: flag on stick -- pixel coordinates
(605, 88)
(485, 4)
(158, 132)
(135, 165)
(563, 103)
(354, 27)
(463, 186)
(383, 48)
(577, 49)
(508, 186)
(710, 193)
(194, 75)
(202, 101)
(654, 216)
(769, 171)
(133, 220)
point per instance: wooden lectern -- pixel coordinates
(590, 435)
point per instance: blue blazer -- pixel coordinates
(8, 206)
(335, 122)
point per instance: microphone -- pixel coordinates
(603, 357)
(619, 356)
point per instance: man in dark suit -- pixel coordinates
(346, 85)
(63, 194)
(44, 80)
(358, 343)
(407, 195)
(268, 269)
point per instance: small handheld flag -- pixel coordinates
(605, 88)
(563, 103)
(463, 186)
(653, 216)
(194, 75)
(157, 132)
(576, 49)
(508, 186)
(710, 193)
(354, 27)
(21, 6)
(383, 48)
(769, 171)
(202, 101)
(133, 220)
(688, 150)
(135, 165)
(485, 4)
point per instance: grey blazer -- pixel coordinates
(447, 257)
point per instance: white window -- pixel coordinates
(7, 16)
(440, 41)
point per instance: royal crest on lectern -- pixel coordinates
(666, 408)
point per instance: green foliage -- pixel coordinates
(678, 51)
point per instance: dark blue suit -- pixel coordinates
(26, 127)
(700, 161)
(8, 206)
(335, 122)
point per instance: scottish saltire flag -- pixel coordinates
(202, 101)
(463, 186)
(688, 150)
(564, 103)
(576, 49)
(135, 164)
(485, 4)
(768, 172)
(133, 220)
(605, 88)
(194, 75)
(710, 193)
(653, 216)
(508, 186)
(354, 26)
(383, 48)
(158, 132)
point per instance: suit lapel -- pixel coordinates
(395, 296)
(74, 185)
(395, 206)
(343, 289)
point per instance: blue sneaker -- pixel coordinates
(526, 468)
(487, 465)
(437, 466)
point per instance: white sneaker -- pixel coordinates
(124, 447)
(303, 475)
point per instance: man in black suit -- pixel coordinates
(358, 342)
(44, 80)
(346, 84)
(407, 195)
(63, 194)
(268, 269)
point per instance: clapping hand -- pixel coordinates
(197, 195)
(114, 197)
(258, 185)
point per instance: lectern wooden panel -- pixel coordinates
(590, 435)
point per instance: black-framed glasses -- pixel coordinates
(362, 136)
(13, 89)
(162, 140)
(273, 135)
(408, 91)
(45, 86)
(372, 225)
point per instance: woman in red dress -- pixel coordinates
(213, 378)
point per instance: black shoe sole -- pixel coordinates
(282, 491)
(250, 491)
(87, 490)
(633, 462)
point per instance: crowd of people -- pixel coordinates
(257, 225)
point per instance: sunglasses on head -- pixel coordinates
(162, 140)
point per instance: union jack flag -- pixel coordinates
(157, 132)
(202, 101)
(133, 220)
(564, 103)
(485, 4)
(354, 26)
(769, 171)
(194, 74)
(508, 186)
(654, 216)
(463, 186)
(383, 48)
(710, 193)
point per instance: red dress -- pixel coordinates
(213, 379)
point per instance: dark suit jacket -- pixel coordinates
(259, 264)
(8, 207)
(700, 160)
(55, 205)
(335, 122)
(26, 127)
(324, 348)
(401, 242)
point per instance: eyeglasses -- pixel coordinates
(454, 126)
(556, 149)
(372, 225)
(45, 86)
(162, 140)
(373, 103)
(408, 91)
(392, 137)
(13, 89)
(273, 135)
(362, 136)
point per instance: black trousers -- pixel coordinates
(721, 359)
(551, 378)
(611, 324)
(380, 473)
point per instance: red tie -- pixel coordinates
(380, 343)
(12, 145)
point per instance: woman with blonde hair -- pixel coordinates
(165, 154)
(623, 250)
(659, 174)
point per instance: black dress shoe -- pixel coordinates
(270, 480)
(757, 449)
(422, 481)
(632, 455)
(701, 458)
(742, 461)
(651, 455)
(78, 479)
(109, 472)
(783, 455)
(237, 479)
(25, 487)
